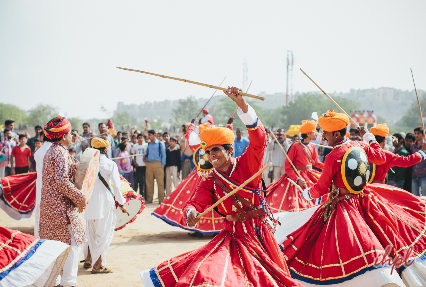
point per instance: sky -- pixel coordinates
(65, 53)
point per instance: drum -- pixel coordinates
(134, 206)
(87, 171)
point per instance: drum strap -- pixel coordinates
(107, 187)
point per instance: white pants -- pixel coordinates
(266, 179)
(171, 171)
(278, 172)
(70, 269)
(100, 233)
(37, 220)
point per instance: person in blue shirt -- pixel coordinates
(155, 163)
(240, 143)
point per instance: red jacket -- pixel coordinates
(242, 168)
(395, 160)
(333, 162)
(298, 157)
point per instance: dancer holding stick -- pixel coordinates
(246, 230)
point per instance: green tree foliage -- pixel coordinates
(41, 114)
(186, 110)
(411, 118)
(12, 112)
(124, 121)
(76, 124)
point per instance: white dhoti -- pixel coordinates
(36, 220)
(99, 234)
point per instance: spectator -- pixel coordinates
(418, 181)
(408, 142)
(125, 163)
(166, 138)
(134, 140)
(20, 158)
(295, 138)
(111, 149)
(354, 134)
(31, 142)
(160, 137)
(72, 152)
(240, 143)
(10, 125)
(124, 139)
(37, 144)
(155, 163)
(397, 177)
(186, 159)
(87, 133)
(173, 166)
(117, 140)
(278, 156)
(6, 148)
(141, 148)
(77, 144)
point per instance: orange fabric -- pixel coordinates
(214, 136)
(99, 143)
(332, 121)
(308, 127)
(381, 130)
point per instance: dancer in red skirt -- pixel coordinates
(171, 209)
(381, 132)
(348, 239)
(245, 252)
(282, 194)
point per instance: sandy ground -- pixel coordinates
(141, 245)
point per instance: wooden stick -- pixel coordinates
(192, 82)
(87, 139)
(289, 160)
(234, 191)
(246, 92)
(127, 156)
(420, 109)
(337, 105)
(210, 99)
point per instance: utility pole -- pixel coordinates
(289, 79)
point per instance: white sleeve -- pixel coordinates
(187, 213)
(250, 118)
(116, 182)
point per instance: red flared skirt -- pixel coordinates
(283, 196)
(170, 210)
(18, 195)
(243, 254)
(342, 240)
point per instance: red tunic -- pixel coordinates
(243, 253)
(283, 195)
(345, 236)
(395, 160)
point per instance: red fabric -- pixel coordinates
(57, 127)
(21, 157)
(395, 160)
(170, 209)
(19, 191)
(333, 162)
(356, 232)
(283, 195)
(245, 251)
(15, 245)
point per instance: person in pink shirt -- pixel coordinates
(125, 164)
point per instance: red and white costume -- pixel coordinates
(285, 196)
(243, 253)
(340, 242)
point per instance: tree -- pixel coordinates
(12, 112)
(123, 121)
(76, 124)
(411, 118)
(41, 114)
(186, 110)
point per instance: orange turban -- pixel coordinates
(333, 122)
(308, 127)
(214, 136)
(381, 130)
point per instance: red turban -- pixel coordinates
(57, 127)
(205, 111)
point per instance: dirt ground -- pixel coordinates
(141, 245)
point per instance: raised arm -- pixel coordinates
(404, 161)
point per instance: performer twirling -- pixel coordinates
(381, 132)
(245, 253)
(100, 212)
(59, 196)
(348, 239)
(282, 194)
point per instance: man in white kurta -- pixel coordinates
(38, 157)
(100, 211)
